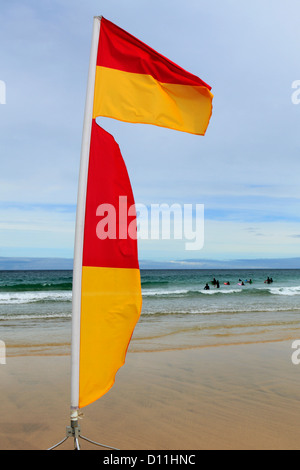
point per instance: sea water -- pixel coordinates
(177, 313)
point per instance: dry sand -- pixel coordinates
(231, 397)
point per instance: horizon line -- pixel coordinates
(59, 263)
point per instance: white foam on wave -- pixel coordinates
(32, 297)
(165, 292)
(289, 291)
(151, 293)
(35, 316)
(221, 291)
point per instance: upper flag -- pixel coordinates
(134, 83)
(130, 82)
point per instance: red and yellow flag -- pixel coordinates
(131, 82)
(111, 289)
(134, 83)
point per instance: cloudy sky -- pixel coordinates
(245, 170)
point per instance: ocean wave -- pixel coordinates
(33, 297)
(206, 312)
(188, 292)
(221, 311)
(151, 293)
(244, 290)
(287, 291)
(36, 316)
(36, 287)
(221, 291)
(66, 296)
(153, 283)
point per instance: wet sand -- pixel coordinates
(227, 397)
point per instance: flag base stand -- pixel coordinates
(74, 432)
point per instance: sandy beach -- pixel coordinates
(228, 397)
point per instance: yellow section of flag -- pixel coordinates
(140, 98)
(110, 307)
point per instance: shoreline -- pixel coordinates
(54, 353)
(226, 397)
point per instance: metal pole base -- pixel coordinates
(75, 432)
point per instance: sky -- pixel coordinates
(245, 170)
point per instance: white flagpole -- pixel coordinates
(80, 218)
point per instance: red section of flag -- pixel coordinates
(122, 51)
(109, 233)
